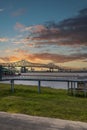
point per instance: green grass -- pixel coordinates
(50, 103)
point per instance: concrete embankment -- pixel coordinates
(25, 122)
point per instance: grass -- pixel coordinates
(50, 103)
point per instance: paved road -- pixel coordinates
(25, 122)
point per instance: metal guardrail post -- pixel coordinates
(12, 85)
(1, 72)
(71, 87)
(85, 89)
(74, 89)
(39, 90)
(68, 86)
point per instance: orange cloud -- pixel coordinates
(9, 59)
(47, 58)
(56, 58)
(7, 50)
(4, 39)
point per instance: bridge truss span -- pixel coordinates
(25, 63)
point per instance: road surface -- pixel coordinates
(24, 122)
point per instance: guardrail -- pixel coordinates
(71, 87)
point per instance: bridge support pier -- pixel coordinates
(12, 86)
(39, 89)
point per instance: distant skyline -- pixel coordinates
(44, 31)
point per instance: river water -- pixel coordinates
(57, 85)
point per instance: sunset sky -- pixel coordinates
(44, 31)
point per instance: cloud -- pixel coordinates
(9, 59)
(20, 41)
(53, 57)
(57, 58)
(69, 32)
(1, 10)
(7, 51)
(19, 26)
(4, 59)
(20, 51)
(19, 54)
(85, 60)
(19, 12)
(4, 39)
(69, 35)
(83, 11)
(34, 29)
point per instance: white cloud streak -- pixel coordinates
(1, 10)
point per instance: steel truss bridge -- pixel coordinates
(24, 63)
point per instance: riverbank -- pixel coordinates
(53, 103)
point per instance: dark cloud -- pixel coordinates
(83, 12)
(76, 28)
(57, 58)
(72, 31)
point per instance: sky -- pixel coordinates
(44, 31)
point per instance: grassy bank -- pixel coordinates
(50, 103)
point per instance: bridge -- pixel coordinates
(24, 64)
